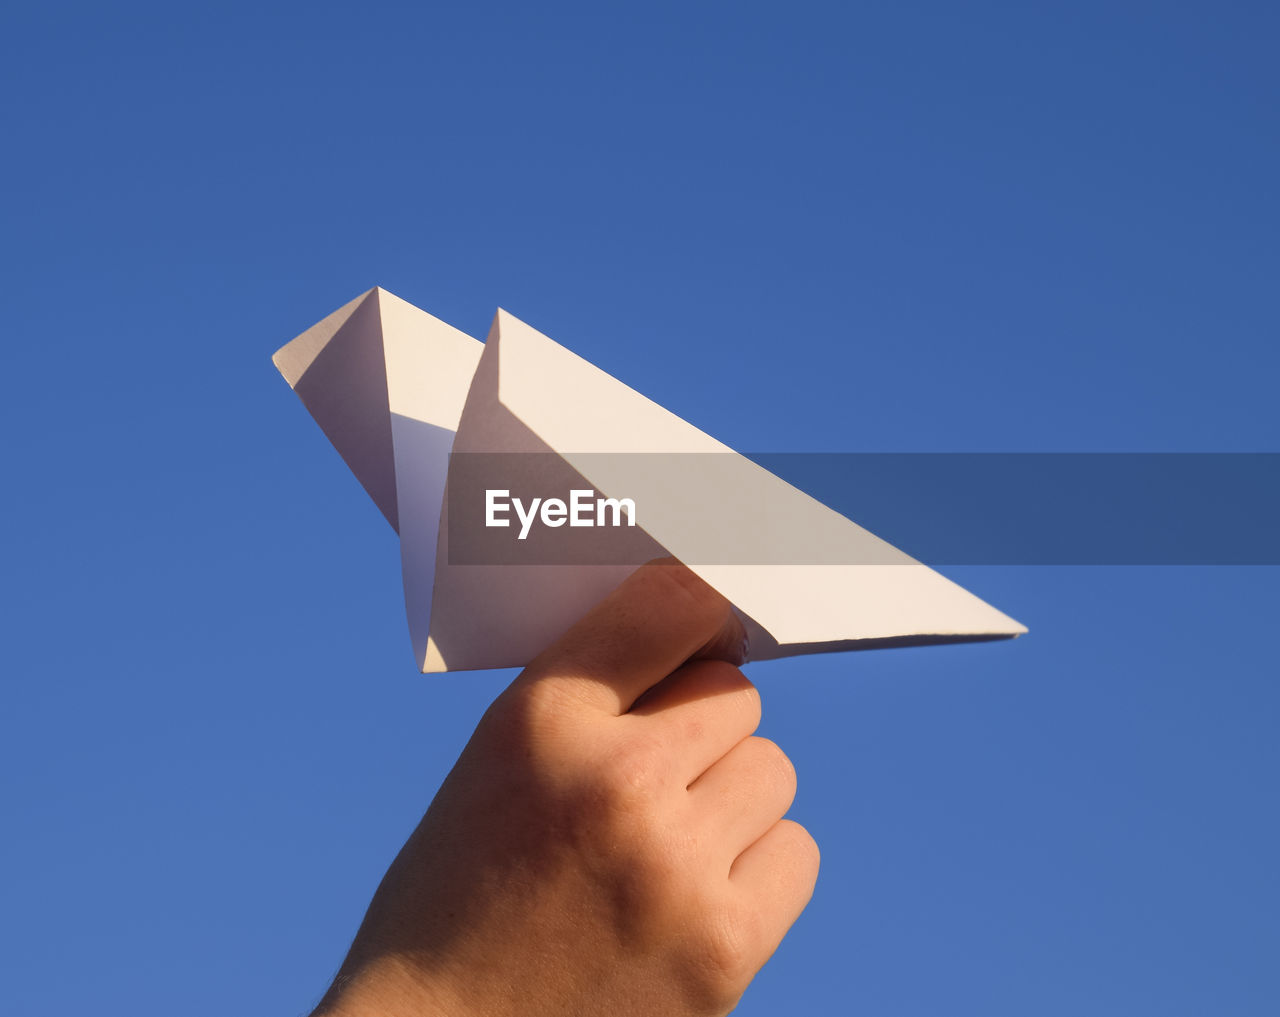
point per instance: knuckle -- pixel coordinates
(751, 700)
(732, 688)
(803, 844)
(803, 853)
(724, 677)
(613, 792)
(727, 957)
(775, 763)
(631, 768)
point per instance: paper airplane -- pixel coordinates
(407, 399)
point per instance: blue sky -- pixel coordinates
(803, 227)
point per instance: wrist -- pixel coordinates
(385, 987)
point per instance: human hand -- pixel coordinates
(611, 840)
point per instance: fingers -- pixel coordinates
(658, 618)
(699, 713)
(729, 644)
(744, 795)
(776, 875)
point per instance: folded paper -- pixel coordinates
(406, 398)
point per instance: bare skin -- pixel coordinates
(611, 840)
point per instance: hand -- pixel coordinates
(611, 840)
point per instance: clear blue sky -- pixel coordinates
(812, 227)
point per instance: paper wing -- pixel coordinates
(386, 382)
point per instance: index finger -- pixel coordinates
(660, 616)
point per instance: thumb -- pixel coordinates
(660, 616)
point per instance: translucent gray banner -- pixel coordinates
(939, 508)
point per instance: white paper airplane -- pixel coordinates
(397, 391)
